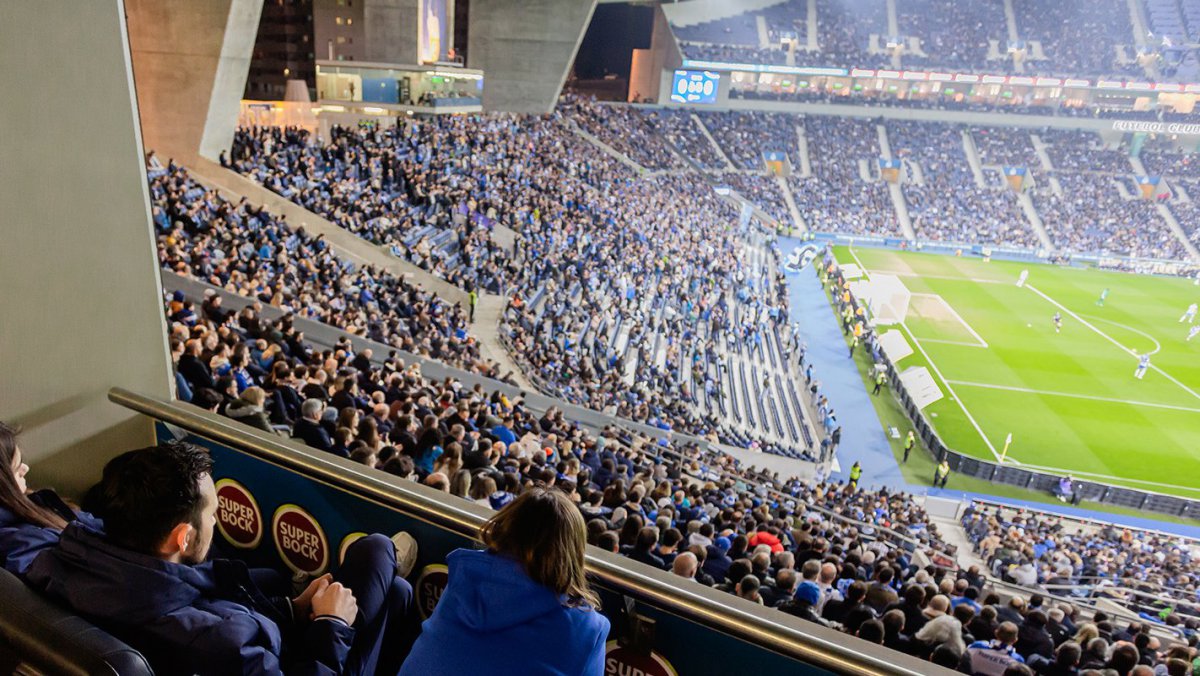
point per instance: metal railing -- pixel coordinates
(794, 638)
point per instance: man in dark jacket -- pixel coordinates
(193, 368)
(146, 578)
(309, 429)
(1065, 662)
(1033, 639)
(911, 606)
(717, 562)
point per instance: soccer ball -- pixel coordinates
(1029, 325)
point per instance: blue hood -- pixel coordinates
(512, 625)
(501, 594)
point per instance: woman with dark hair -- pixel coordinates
(29, 522)
(523, 605)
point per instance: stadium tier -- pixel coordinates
(1142, 39)
(842, 337)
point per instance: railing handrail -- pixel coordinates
(792, 637)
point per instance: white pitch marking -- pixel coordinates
(982, 342)
(952, 342)
(933, 366)
(908, 273)
(1110, 339)
(1074, 396)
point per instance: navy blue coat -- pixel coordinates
(204, 619)
(494, 619)
(21, 541)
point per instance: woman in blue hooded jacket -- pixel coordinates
(29, 522)
(523, 605)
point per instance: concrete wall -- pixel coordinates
(190, 59)
(525, 48)
(391, 30)
(81, 303)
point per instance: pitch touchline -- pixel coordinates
(933, 366)
(1073, 396)
(1115, 480)
(901, 273)
(1110, 339)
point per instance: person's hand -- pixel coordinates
(332, 599)
(302, 604)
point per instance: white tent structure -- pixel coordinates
(886, 297)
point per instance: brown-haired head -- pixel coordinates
(12, 496)
(544, 531)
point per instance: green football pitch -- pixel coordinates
(1069, 399)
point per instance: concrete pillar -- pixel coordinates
(525, 48)
(648, 64)
(190, 59)
(81, 304)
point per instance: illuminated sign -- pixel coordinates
(695, 86)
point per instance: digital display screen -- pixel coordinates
(695, 86)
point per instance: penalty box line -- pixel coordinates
(936, 371)
(980, 342)
(1109, 338)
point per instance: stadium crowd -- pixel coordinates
(418, 187)
(1038, 550)
(253, 253)
(948, 205)
(1090, 215)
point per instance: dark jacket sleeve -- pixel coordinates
(324, 648)
(241, 645)
(20, 544)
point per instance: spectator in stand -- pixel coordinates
(309, 427)
(992, 658)
(30, 521)
(1033, 639)
(147, 575)
(523, 605)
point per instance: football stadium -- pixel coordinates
(600, 337)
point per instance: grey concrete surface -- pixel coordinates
(81, 302)
(525, 48)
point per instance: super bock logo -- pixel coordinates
(300, 541)
(238, 516)
(430, 586)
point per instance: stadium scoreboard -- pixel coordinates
(695, 86)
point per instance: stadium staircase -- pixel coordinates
(234, 186)
(790, 200)
(1010, 21)
(812, 25)
(605, 148)
(1034, 219)
(802, 153)
(894, 191)
(712, 141)
(973, 159)
(1169, 217)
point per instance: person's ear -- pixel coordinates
(179, 539)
